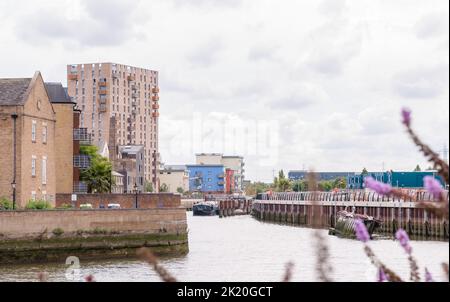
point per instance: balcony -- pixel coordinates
(80, 187)
(131, 78)
(134, 95)
(81, 161)
(72, 76)
(103, 91)
(116, 74)
(102, 84)
(155, 106)
(155, 98)
(82, 135)
(221, 176)
(103, 108)
(220, 183)
(155, 90)
(155, 114)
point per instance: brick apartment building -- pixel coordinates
(38, 134)
(120, 107)
(68, 139)
(27, 135)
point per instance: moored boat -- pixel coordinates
(346, 222)
(206, 208)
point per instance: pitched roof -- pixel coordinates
(14, 91)
(57, 93)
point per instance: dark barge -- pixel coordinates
(346, 221)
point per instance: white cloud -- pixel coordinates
(329, 76)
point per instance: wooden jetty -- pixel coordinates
(298, 209)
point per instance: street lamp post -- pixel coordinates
(13, 183)
(136, 191)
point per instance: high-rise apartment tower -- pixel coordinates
(120, 106)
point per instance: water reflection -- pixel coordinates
(243, 249)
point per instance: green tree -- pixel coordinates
(365, 172)
(340, 183)
(148, 187)
(98, 177)
(417, 169)
(255, 188)
(300, 186)
(163, 188)
(180, 190)
(281, 183)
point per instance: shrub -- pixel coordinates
(58, 232)
(38, 205)
(5, 204)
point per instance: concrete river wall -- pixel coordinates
(53, 235)
(299, 209)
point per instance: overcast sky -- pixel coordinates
(288, 84)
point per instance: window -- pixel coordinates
(33, 166)
(44, 133)
(33, 195)
(44, 170)
(33, 131)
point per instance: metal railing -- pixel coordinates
(82, 135)
(81, 161)
(80, 187)
(346, 196)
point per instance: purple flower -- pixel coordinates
(406, 117)
(433, 186)
(428, 277)
(382, 276)
(379, 187)
(403, 238)
(361, 231)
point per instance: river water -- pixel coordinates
(241, 248)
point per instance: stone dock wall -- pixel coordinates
(47, 235)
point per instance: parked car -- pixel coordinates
(113, 206)
(85, 206)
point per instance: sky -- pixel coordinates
(287, 84)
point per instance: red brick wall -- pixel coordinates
(126, 201)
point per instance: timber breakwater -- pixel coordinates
(54, 235)
(299, 209)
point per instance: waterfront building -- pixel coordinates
(175, 177)
(206, 178)
(118, 183)
(68, 138)
(120, 106)
(130, 163)
(234, 163)
(229, 181)
(27, 135)
(321, 176)
(395, 179)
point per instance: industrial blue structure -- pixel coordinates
(301, 175)
(206, 178)
(395, 179)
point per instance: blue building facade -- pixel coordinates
(301, 175)
(206, 178)
(395, 179)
